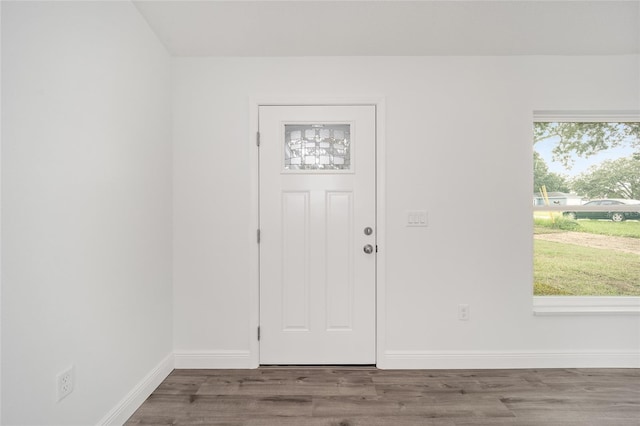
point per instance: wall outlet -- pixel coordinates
(65, 381)
(463, 312)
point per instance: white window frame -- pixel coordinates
(581, 305)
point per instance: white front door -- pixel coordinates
(317, 234)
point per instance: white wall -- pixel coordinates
(86, 209)
(458, 138)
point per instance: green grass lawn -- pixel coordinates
(568, 269)
(544, 224)
(573, 270)
(629, 228)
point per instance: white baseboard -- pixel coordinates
(134, 399)
(214, 359)
(507, 359)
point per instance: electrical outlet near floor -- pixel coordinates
(463, 312)
(65, 383)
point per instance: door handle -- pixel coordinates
(368, 249)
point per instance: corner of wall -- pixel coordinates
(125, 408)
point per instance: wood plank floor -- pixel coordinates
(353, 396)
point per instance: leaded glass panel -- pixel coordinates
(317, 147)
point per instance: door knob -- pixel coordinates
(368, 249)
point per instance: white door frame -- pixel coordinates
(254, 285)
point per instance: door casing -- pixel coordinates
(254, 287)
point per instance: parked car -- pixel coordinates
(614, 214)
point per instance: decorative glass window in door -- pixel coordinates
(317, 147)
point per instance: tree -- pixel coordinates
(542, 176)
(611, 179)
(586, 139)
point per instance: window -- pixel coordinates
(586, 212)
(317, 147)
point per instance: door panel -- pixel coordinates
(295, 252)
(317, 194)
(339, 271)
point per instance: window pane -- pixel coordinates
(317, 147)
(588, 243)
(592, 255)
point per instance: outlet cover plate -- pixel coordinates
(65, 382)
(463, 312)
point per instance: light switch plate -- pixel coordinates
(417, 218)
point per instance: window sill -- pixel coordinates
(581, 305)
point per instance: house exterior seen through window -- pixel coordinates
(586, 208)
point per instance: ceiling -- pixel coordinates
(394, 28)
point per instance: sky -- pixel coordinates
(580, 165)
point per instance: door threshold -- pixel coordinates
(320, 366)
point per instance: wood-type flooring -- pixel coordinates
(366, 396)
